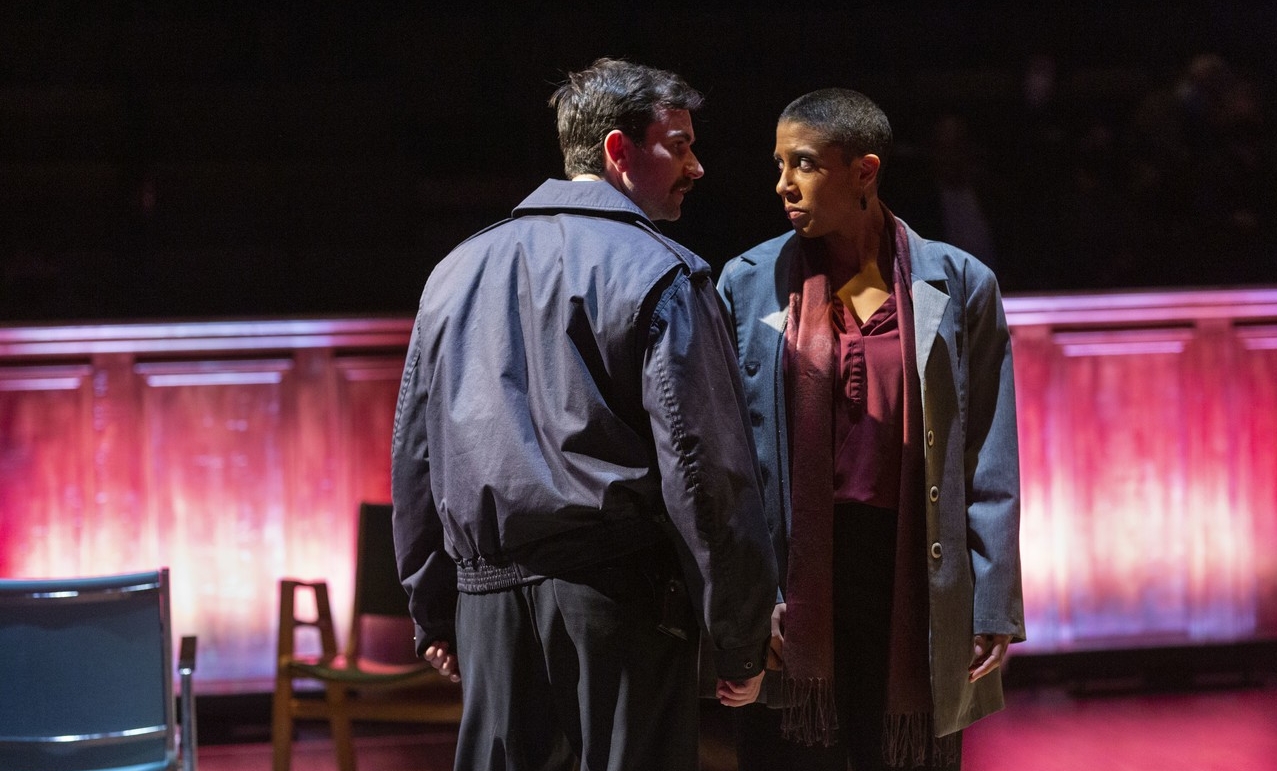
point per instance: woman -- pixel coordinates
(877, 367)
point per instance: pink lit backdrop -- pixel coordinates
(1148, 463)
(236, 452)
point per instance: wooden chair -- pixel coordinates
(378, 676)
(87, 667)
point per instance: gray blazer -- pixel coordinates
(971, 448)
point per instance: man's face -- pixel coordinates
(818, 187)
(661, 171)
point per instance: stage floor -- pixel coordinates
(1043, 729)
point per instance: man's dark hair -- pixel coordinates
(613, 94)
(845, 118)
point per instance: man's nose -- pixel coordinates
(695, 170)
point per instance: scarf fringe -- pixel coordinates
(810, 715)
(909, 741)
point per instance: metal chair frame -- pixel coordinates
(68, 703)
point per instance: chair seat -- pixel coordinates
(366, 674)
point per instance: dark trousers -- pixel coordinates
(575, 668)
(864, 559)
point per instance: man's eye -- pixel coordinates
(805, 164)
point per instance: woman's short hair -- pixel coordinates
(845, 118)
(613, 94)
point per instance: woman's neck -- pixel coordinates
(857, 249)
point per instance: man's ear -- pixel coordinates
(616, 150)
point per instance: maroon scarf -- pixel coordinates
(810, 715)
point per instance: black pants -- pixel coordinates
(575, 668)
(864, 560)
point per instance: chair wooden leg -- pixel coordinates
(339, 724)
(282, 724)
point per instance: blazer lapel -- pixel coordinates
(929, 303)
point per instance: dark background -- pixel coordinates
(245, 159)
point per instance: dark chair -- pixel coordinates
(378, 676)
(87, 672)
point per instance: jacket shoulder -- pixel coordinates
(937, 259)
(764, 253)
(761, 258)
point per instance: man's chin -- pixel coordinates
(668, 214)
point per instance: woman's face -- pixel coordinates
(819, 188)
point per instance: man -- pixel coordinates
(570, 449)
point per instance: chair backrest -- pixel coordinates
(86, 673)
(381, 628)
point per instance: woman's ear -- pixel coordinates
(869, 165)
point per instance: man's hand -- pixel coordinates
(987, 654)
(738, 693)
(443, 661)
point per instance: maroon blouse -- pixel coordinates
(868, 409)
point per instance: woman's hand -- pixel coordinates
(987, 654)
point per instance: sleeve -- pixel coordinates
(426, 571)
(693, 395)
(726, 292)
(993, 467)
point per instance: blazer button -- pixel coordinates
(931, 437)
(934, 494)
(936, 551)
(756, 419)
(751, 368)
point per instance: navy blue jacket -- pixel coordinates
(570, 395)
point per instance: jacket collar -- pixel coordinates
(598, 199)
(930, 286)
